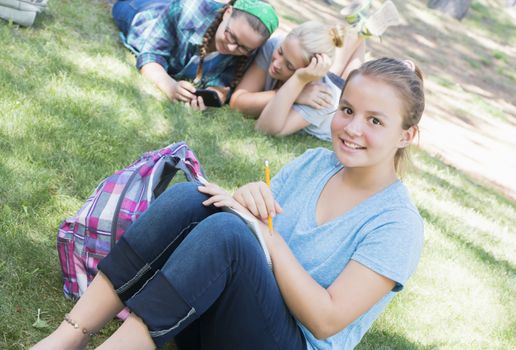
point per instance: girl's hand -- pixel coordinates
(319, 66)
(219, 197)
(222, 91)
(315, 95)
(257, 198)
(183, 91)
(197, 103)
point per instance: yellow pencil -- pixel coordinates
(268, 182)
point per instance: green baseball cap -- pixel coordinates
(261, 10)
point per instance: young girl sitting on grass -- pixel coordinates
(203, 41)
(346, 239)
(289, 86)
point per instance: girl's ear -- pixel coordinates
(407, 136)
(228, 12)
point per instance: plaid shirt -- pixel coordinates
(171, 36)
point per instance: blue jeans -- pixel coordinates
(199, 275)
(124, 11)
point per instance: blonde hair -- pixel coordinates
(315, 37)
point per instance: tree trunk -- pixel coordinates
(454, 8)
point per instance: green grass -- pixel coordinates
(487, 107)
(474, 63)
(444, 82)
(501, 56)
(511, 75)
(74, 110)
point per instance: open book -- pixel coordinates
(254, 226)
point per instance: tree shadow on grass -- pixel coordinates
(78, 138)
(442, 222)
(485, 201)
(466, 193)
(471, 195)
(450, 57)
(67, 143)
(467, 189)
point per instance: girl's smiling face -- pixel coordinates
(367, 128)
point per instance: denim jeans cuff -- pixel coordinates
(124, 268)
(163, 310)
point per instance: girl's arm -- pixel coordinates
(278, 117)
(249, 97)
(324, 311)
(174, 90)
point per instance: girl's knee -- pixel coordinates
(227, 228)
(225, 222)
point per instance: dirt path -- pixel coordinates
(470, 119)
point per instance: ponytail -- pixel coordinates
(315, 37)
(337, 36)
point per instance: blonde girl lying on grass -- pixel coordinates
(289, 87)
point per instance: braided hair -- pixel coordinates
(242, 61)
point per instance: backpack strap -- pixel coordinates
(177, 156)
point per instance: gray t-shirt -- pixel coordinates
(319, 119)
(383, 233)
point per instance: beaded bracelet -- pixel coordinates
(76, 326)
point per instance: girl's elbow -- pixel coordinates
(233, 103)
(280, 132)
(267, 130)
(322, 334)
(235, 100)
(284, 132)
(323, 330)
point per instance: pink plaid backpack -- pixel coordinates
(84, 239)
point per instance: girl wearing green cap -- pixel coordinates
(185, 45)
